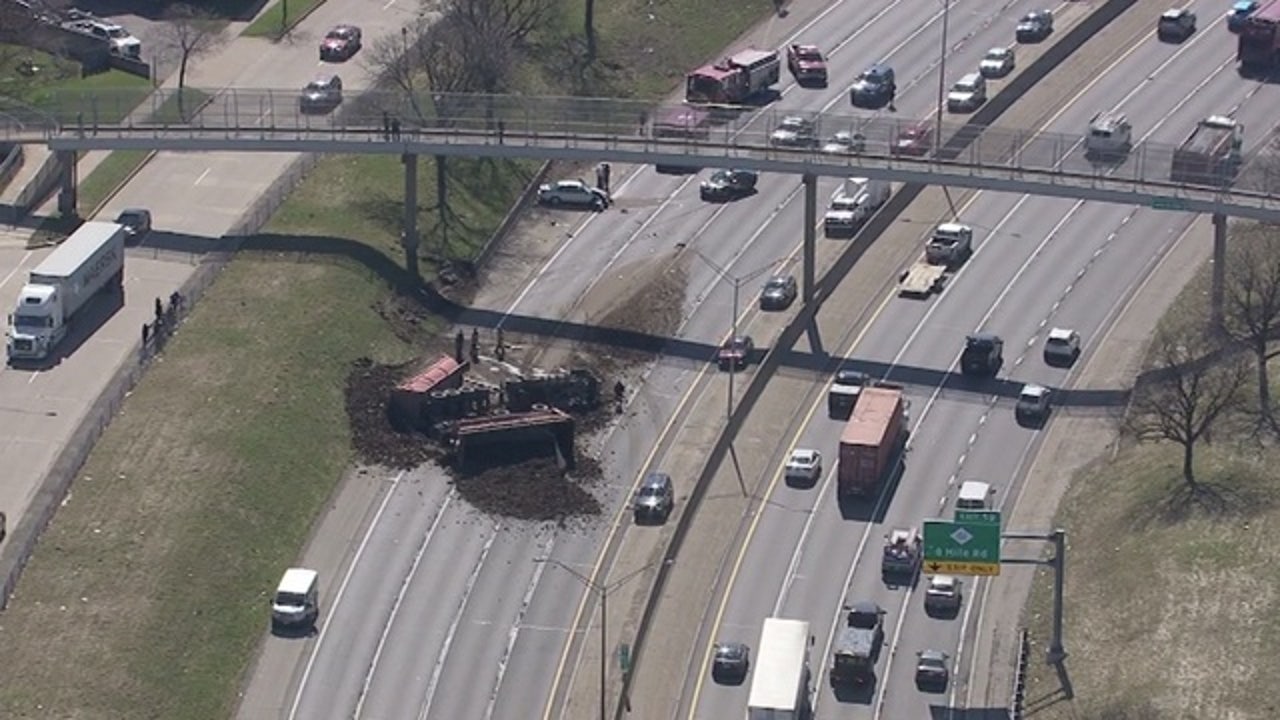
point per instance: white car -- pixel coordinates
(794, 131)
(967, 94)
(845, 143)
(997, 63)
(573, 192)
(1033, 403)
(804, 466)
(121, 41)
(942, 594)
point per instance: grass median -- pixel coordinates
(1171, 607)
(280, 18)
(148, 593)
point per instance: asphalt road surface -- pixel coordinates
(445, 612)
(1038, 263)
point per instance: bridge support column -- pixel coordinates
(67, 184)
(1218, 291)
(810, 236)
(409, 233)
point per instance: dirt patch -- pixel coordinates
(375, 442)
(537, 489)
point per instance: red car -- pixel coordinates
(914, 140)
(340, 43)
(807, 64)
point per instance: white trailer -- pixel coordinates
(88, 262)
(780, 679)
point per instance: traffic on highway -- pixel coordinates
(967, 374)
(840, 563)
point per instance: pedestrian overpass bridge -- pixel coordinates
(587, 129)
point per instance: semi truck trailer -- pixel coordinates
(780, 678)
(872, 442)
(87, 264)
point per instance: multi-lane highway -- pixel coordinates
(1039, 263)
(444, 611)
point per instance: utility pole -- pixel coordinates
(942, 77)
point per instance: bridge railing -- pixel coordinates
(503, 118)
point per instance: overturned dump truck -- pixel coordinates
(510, 438)
(436, 394)
(573, 390)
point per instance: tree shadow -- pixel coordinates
(1234, 493)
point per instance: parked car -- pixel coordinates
(735, 353)
(119, 41)
(968, 93)
(655, 499)
(729, 185)
(874, 88)
(574, 193)
(804, 466)
(1061, 347)
(914, 140)
(778, 293)
(1177, 24)
(731, 663)
(997, 63)
(136, 222)
(807, 65)
(1035, 26)
(321, 95)
(795, 131)
(340, 43)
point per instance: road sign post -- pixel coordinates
(968, 545)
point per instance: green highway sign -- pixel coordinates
(1168, 203)
(624, 657)
(961, 548)
(980, 517)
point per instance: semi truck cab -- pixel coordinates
(36, 326)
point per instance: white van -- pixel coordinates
(297, 600)
(973, 495)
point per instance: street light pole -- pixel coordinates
(942, 76)
(602, 591)
(737, 281)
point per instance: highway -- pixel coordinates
(1038, 263)
(442, 611)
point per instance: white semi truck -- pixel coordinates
(88, 262)
(780, 679)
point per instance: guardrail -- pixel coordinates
(1018, 699)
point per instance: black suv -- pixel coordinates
(1176, 25)
(873, 89)
(655, 499)
(983, 355)
(729, 184)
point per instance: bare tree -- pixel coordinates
(189, 33)
(1252, 303)
(1193, 383)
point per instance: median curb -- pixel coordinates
(996, 106)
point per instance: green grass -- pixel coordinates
(274, 24)
(98, 186)
(115, 94)
(180, 107)
(147, 596)
(1172, 600)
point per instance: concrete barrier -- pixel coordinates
(991, 111)
(512, 216)
(39, 187)
(11, 164)
(133, 66)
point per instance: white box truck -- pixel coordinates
(780, 679)
(88, 262)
